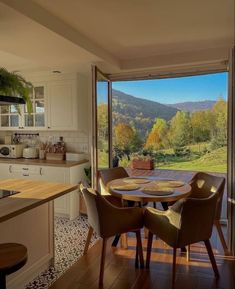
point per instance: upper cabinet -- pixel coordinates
(59, 103)
(63, 105)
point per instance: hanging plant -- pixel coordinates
(13, 84)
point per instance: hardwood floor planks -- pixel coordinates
(120, 272)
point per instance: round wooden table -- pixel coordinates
(139, 196)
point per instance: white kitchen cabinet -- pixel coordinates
(63, 105)
(59, 103)
(67, 205)
(10, 119)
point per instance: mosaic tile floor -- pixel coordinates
(70, 237)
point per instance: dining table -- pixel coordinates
(149, 189)
(142, 190)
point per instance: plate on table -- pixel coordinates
(125, 187)
(136, 180)
(169, 183)
(158, 191)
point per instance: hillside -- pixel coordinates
(140, 113)
(192, 106)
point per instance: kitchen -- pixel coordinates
(50, 144)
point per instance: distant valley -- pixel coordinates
(141, 113)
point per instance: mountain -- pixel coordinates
(192, 106)
(139, 113)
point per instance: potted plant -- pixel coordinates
(143, 162)
(13, 84)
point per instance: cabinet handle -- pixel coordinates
(25, 169)
(48, 127)
(10, 169)
(25, 175)
(40, 172)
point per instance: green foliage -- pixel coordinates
(124, 162)
(182, 151)
(180, 133)
(13, 84)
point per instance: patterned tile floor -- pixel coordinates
(70, 237)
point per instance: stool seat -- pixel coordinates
(13, 256)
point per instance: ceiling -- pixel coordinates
(119, 35)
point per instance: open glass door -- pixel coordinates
(231, 154)
(101, 149)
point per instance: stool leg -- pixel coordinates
(2, 281)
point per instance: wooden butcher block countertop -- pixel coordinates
(38, 162)
(32, 194)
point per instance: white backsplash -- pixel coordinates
(75, 141)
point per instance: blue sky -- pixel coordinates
(173, 90)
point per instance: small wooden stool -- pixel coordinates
(13, 256)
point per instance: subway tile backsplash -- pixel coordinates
(75, 141)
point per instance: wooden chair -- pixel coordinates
(107, 221)
(13, 256)
(202, 184)
(188, 221)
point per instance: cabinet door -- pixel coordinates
(62, 105)
(60, 175)
(4, 171)
(10, 119)
(37, 119)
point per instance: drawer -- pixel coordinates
(25, 170)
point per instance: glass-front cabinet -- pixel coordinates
(17, 117)
(37, 117)
(10, 118)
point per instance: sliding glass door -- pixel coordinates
(101, 123)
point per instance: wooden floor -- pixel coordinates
(120, 272)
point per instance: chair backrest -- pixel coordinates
(108, 175)
(90, 197)
(196, 218)
(204, 184)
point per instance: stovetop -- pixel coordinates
(7, 193)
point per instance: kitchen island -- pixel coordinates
(28, 218)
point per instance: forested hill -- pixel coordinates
(192, 106)
(139, 113)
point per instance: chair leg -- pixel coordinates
(116, 240)
(102, 261)
(149, 248)
(221, 236)
(174, 268)
(139, 248)
(188, 253)
(2, 281)
(212, 257)
(88, 240)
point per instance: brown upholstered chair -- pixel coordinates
(202, 184)
(107, 220)
(108, 175)
(188, 221)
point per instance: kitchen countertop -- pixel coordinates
(32, 194)
(53, 163)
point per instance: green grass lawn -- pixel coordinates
(215, 161)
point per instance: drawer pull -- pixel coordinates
(40, 171)
(10, 169)
(25, 169)
(25, 175)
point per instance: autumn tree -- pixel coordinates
(102, 126)
(201, 126)
(125, 138)
(157, 138)
(219, 110)
(180, 133)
